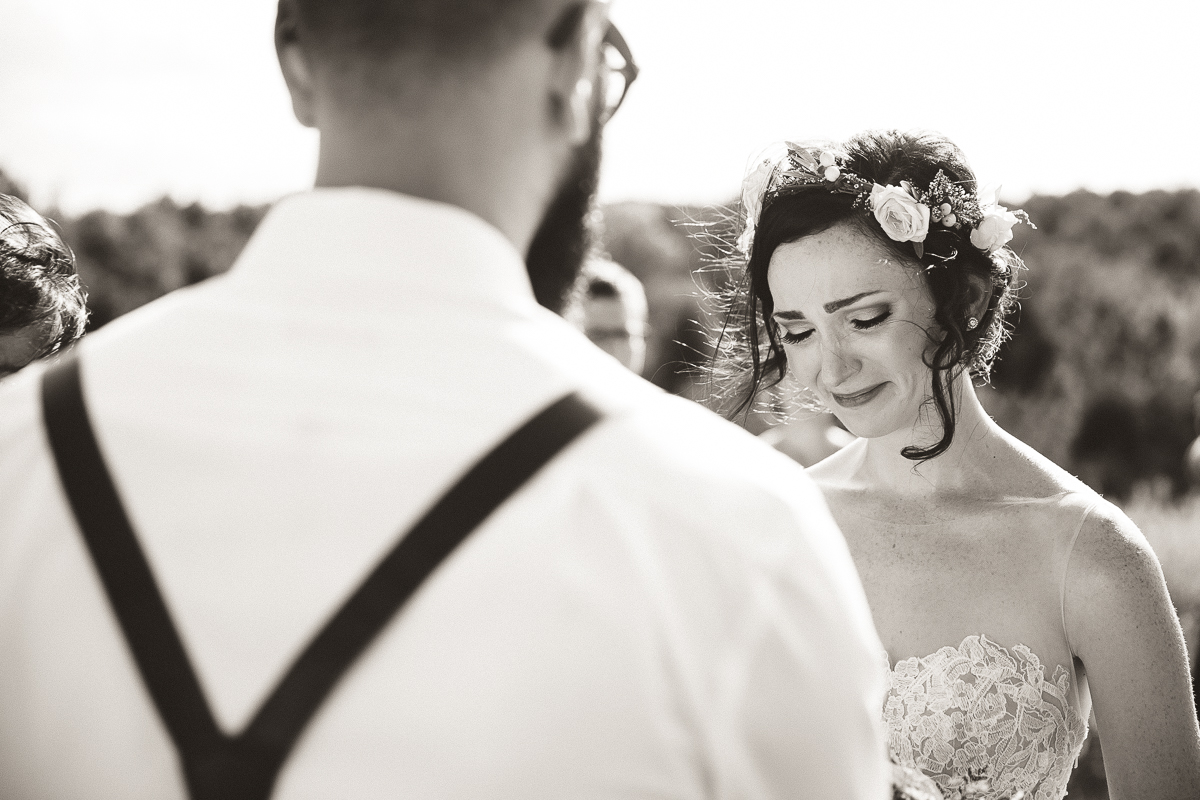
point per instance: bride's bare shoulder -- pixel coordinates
(1014, 469)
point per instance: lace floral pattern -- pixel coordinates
(980, 709)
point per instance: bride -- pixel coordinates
(1012, 600)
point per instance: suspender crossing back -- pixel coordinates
(245, 766)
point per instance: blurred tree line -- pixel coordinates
(1099, 375)
(1104, 366)
(127, 260)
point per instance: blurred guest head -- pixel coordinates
(609, 306)
(807, 439)
(495, 106)
(42, 305)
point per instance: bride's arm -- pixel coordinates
(1122, 626)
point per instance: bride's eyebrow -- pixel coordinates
(830, 307)
(838, 305)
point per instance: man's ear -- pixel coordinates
(575, 75)
(294, 63)
(979, 294)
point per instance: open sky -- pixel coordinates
(110, 103)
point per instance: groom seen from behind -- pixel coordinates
(665, 609)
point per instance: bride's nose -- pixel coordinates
(838, 363)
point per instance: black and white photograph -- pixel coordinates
(599, 399)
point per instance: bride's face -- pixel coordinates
(853, 325)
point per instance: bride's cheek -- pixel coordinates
(802, 366)
(908, 343)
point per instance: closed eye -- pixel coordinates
(795, 338)
(864, 324)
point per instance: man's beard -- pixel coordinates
(564, 237)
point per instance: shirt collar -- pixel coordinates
(374, 246)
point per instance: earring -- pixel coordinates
(972, 323)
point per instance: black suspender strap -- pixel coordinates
(122, 566)
(246, 766)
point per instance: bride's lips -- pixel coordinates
(858, 398)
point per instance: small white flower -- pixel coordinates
(995, 230)
(832, 174)
(828, 159)
(902, 216)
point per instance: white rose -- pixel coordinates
(903, 218)
(995, 230)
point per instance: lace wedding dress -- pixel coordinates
(980, 710)
(1012, 714)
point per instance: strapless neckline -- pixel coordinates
(980, 709)
(968, 642)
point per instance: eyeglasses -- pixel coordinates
(618, 70)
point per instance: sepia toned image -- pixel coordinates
(599, 399)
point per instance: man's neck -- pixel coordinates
(434, 159)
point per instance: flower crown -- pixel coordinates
(905, 212)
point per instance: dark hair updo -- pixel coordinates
(750, 336)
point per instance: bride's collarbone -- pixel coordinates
(967, 511)
(866, 506)
(1002, 551)
(979, 482)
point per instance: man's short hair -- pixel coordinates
(443, 32)
(39, 288)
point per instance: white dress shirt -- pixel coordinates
(666, 611)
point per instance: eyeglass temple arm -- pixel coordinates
(614, 37)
